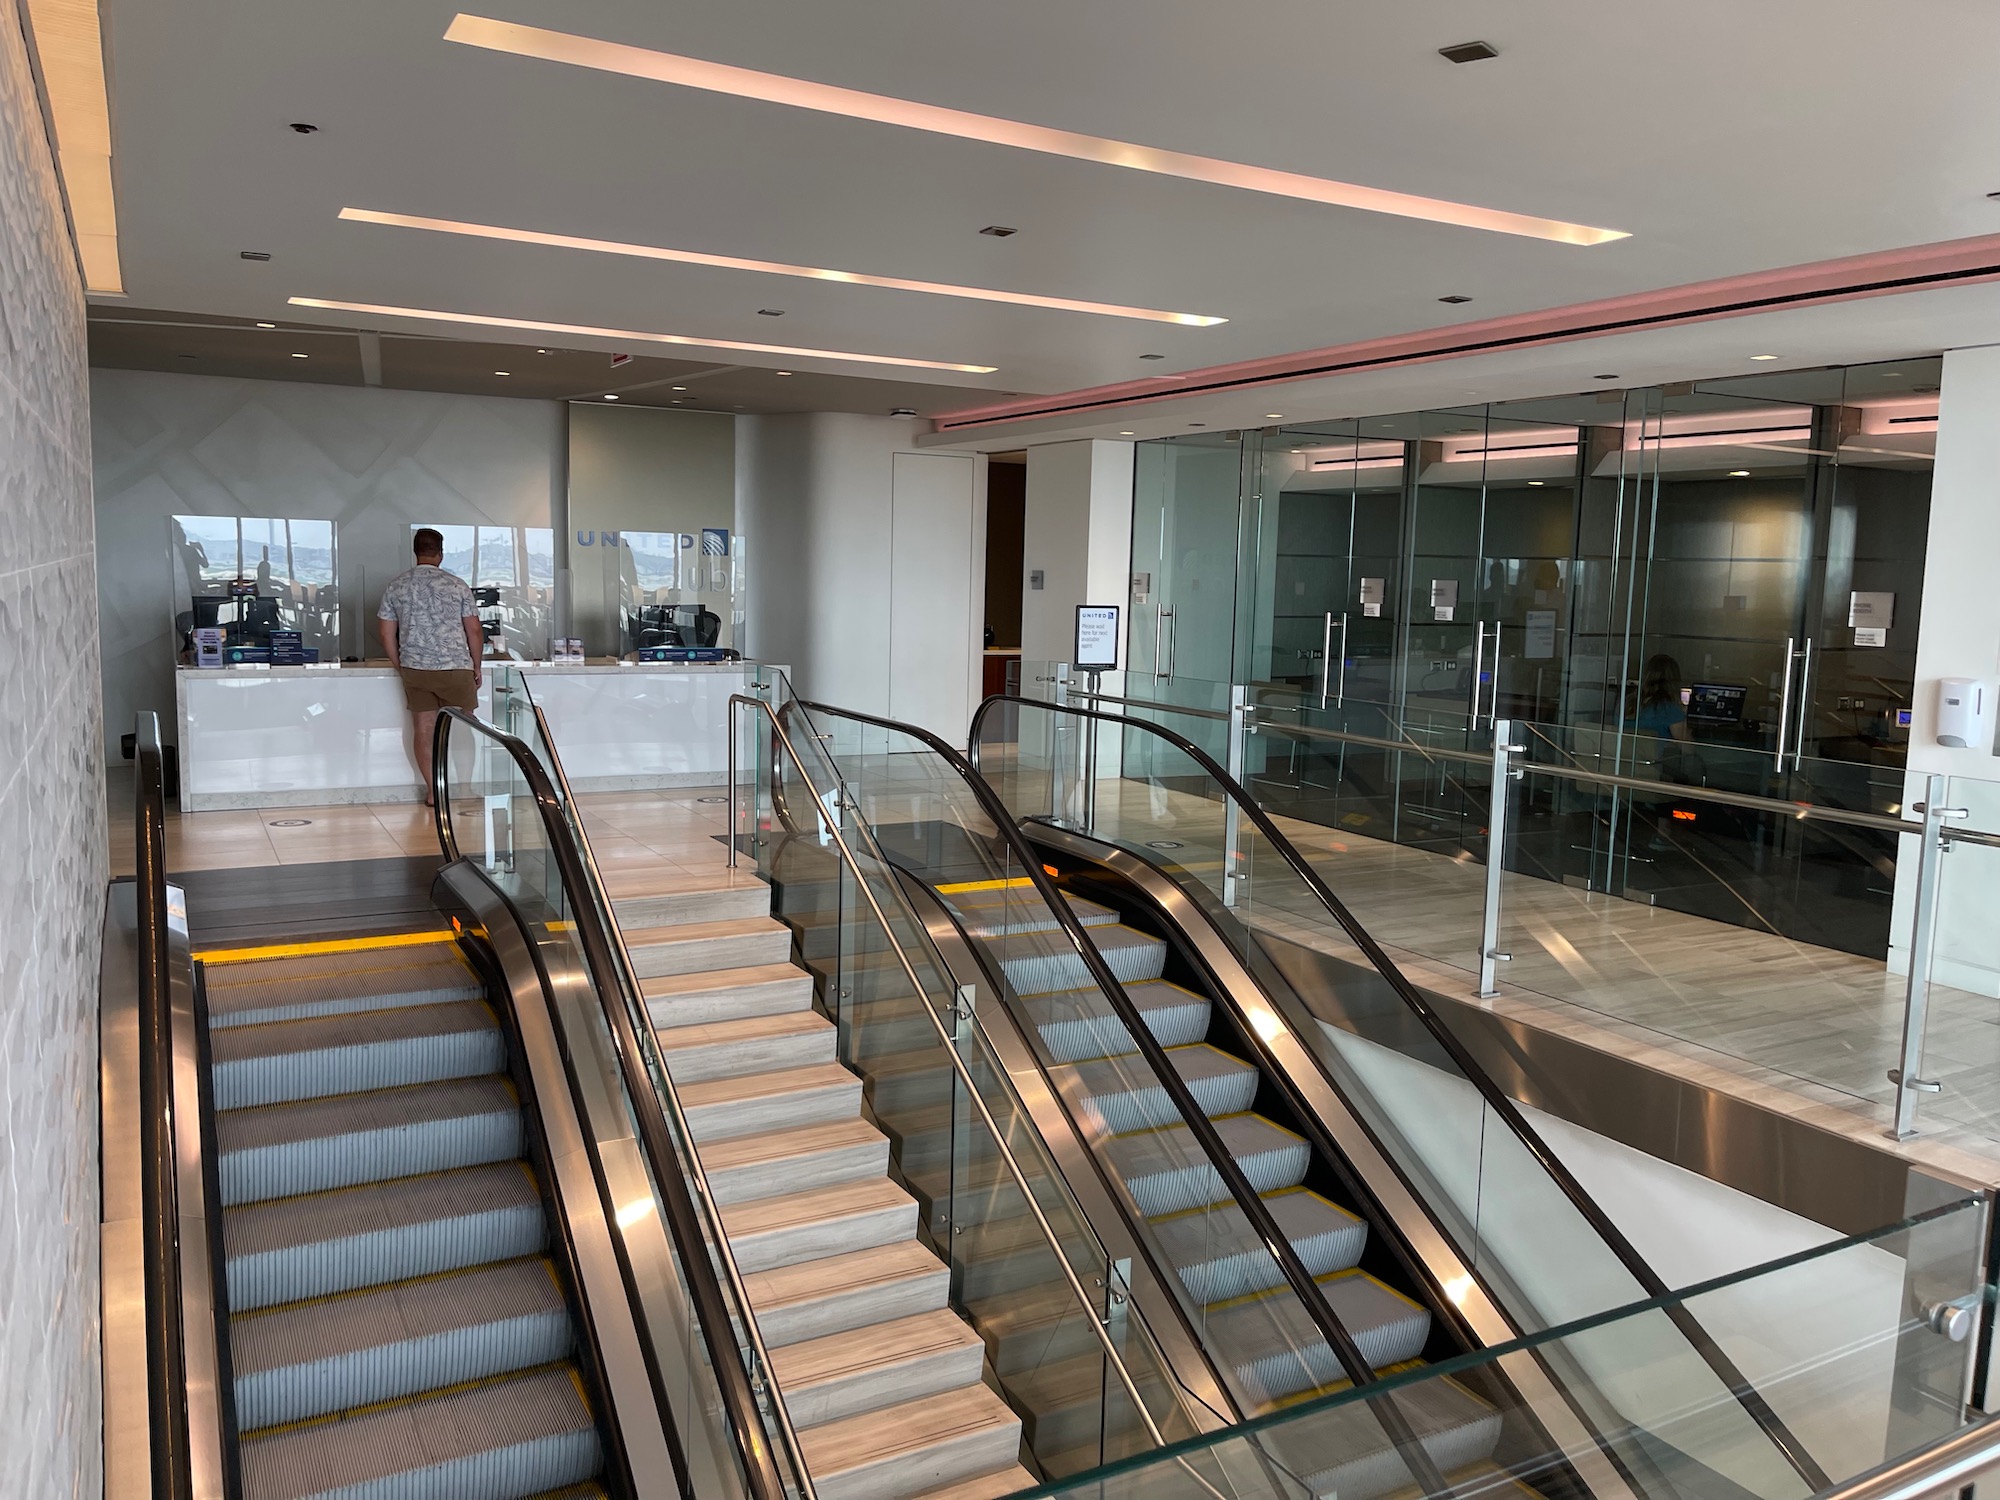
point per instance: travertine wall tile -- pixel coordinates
(51, 829)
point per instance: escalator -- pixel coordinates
(1314, 1214)
(406, 1229)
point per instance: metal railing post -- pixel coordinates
(1242, 722)
(1917, 986)
(1490, 955)
(732, 715)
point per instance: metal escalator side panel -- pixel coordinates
(592, 1168)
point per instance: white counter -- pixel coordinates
(302, 737)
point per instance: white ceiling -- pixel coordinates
(1726, 137)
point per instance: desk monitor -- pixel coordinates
(1715, 703)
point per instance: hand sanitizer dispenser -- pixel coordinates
(1964, 713)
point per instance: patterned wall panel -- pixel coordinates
(51, 825)
(372, 461)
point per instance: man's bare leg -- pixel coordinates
(423, 734)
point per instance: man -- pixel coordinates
(430, 628)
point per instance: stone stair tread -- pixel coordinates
(986, 1486)
(907, 1266)
(695, 932)
(864, 1442)
(670, 987)
(747, 1029)
(766, 1085)
(814, 1206)
(842, 1356)
(539, 1417)
(776, 1145)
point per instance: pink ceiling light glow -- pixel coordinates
(774, 88)
(769, 267)
(482, 320)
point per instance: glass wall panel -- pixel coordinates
(1713, 584)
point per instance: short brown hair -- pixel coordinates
(428, 542)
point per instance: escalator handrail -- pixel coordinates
(1747, 1395)
(1006, 1152)
(711, 1308)
(166, 1332)
(601, 895)
(1353, 1363)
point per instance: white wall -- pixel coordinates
(52, 827)
(374, 461)
(865, 559)
(1960, 638)
(1078, 534)
(636, 468)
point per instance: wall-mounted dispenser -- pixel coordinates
(1964, 713)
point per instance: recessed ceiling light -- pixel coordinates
(301, 356)
(1604, 377)
(503, 372)
(1197, 424)
(267, 325)
(253, 255)
(1126, 434)
(622, 334)
(774, 88)
(902, 411)
(773, 268)
(680, 387)
(1536, 483)
(1454, 298)
(541, 351)
(610, 398)
(770, 312)
(784, 372)
(1152, 356)
(1274, 416)
(999, 231)
(304, 129)
(1762, 357)
(1739, 473)
(1465, 52)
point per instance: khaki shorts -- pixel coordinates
(427, 692)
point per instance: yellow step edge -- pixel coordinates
(213, 956)
(961, 887)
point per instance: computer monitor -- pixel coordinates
(1716, 703)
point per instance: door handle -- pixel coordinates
(1785, 701)
(1493, 696)
(1340, 694)
(1478, 666)
(1805, 706)
(1326, 658)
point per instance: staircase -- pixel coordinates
(1250, 1318)
(885, 1383)
(395, 1327)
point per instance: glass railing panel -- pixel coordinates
(1025, 1266)
(1858, 1342)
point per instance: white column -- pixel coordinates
(1959, 636)
(1078, 536)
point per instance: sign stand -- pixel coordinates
(1095, 651)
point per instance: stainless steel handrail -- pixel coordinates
(1813, 812)
(677, 1211)
(1504, 1108)
(705, 1195)
(738, 701)
(1943, 1467)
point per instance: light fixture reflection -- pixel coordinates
(484, 320)
(775, 88)
(768, 267)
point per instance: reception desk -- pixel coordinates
(304, 736)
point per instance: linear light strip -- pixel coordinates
(69, 45)
(774, 88)
(484, 320)
(769, 267)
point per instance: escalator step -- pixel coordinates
(331, 984)
(281, 1150)
(1279, 1351)
(285, 1061)
(337, 1353)
(1166, 1171)
(1117, 1095)
(1344, 1450)
(503, 1439)
(1218, 1255)
(292, 1248)
(1041, 963)
(992, 914)
(1077, 1025)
